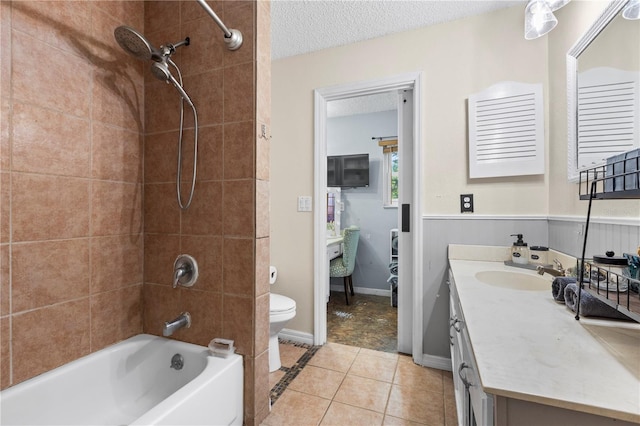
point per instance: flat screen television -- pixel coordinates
(348, 171)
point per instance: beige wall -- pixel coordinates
(456, 59)
(90, 223)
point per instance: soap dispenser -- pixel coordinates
(519, 251)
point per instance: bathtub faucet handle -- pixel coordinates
(185, 271)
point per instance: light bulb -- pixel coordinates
(632, 10)
(538, 19)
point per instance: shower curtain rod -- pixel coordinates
(232, 37)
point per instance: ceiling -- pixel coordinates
(304, 26)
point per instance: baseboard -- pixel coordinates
(438, 362)
(363, 290)
(296, 336)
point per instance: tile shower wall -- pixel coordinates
(80, 121)
(71, 241)
(221, 229)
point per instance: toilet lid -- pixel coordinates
(280, 303)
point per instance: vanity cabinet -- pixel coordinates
(473, 405)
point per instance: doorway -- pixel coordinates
(410, 321)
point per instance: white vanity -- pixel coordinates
(520, 358)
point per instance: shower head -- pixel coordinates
(160, 70)
(134, 43)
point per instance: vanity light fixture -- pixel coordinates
(539, 18)
(631, 10)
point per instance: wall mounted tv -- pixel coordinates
(348, 171)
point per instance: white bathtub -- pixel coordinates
(132, 383)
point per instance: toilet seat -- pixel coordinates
(279, 304)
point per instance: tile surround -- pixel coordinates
(80, 150)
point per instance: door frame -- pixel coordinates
(321, 97)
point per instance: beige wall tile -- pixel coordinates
(115, 315)
(117, 101)
(63, 344)
(206, 316)
(262, 209)
(116, 154)
(5, 52)
(116, 208)
(237, 322)
(263, 152)
(5, 115)
(48, 272)
(240, 15)
(239, 93)
(49, 207)
(46, 141)
(262, 324)
(210, 153)
(206, 92)
(239, 208)
(206, 50)
(129, 12)
(161, 304)
(161, 211)
(160, 252)
(160, 150)
(208, 252)
(156, 13)
(116, 261)
(239, 150)
(204, 217)
(262, 267)
(238, 268)
(5, 206)
(261, 384)
(5, 283)
(5, 352)
(61, 24)
(162, 106)
(49, 77)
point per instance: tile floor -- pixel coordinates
(346, 385)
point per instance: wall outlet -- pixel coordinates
(304, 203)
(466, 203)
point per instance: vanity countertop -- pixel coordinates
(529, 347)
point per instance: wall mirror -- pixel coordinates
(603, 90)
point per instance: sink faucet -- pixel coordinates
(556, 271)
(182, 321)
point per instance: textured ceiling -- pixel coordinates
(303, 26)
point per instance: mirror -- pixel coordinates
(603, 86)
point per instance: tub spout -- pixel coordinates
(182, 321)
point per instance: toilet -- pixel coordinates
(281, 310)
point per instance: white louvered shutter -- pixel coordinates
(608, 114)
(506, 131)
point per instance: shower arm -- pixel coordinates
(233, 38)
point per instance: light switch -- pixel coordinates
(304, 203)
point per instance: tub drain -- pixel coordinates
(177, 362)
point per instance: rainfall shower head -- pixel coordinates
(135, 43)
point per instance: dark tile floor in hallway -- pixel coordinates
(367, 322)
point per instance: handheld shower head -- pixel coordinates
(160, 70)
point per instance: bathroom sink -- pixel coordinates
(514, 280)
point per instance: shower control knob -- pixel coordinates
(185, 271)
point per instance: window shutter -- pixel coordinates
(506, 131)
(608, 114)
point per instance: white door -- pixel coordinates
(405, 220)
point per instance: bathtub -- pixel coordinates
(132, 383)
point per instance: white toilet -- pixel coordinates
(281, 310)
